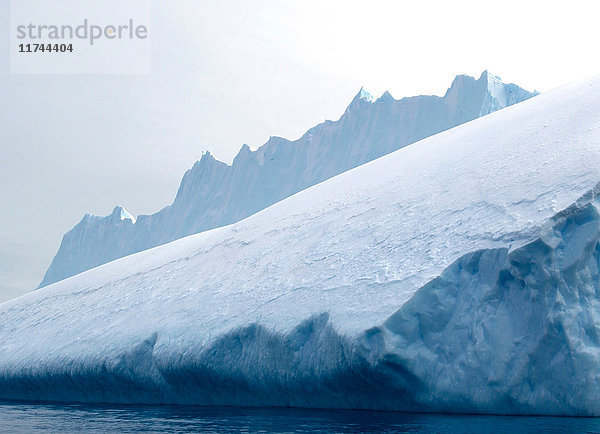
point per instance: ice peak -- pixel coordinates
(463, 82)
(364, 95)
(386, 96)
(206, 155)
(486, 75)
(204, 160)
(243, 153)
(122, 214)
(362, 99)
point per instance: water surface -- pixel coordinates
(36, 418)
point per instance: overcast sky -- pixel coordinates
(226, 73)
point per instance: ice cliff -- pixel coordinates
(460, 273)
(213, 194)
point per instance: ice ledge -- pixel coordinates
(499, 331)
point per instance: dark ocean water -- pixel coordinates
(36, 418)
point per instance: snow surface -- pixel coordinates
(457, 274)
(213, 194)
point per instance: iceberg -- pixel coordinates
(457, 274)
(213, 194)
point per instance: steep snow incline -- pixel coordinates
(443, 276)
(213, 194)
(505, 331)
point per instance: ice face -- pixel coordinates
(503, 331)
(213, 194)
(456, 274)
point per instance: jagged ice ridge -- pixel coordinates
(213, 194)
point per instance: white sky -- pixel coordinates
(232, 72)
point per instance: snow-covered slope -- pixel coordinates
(457, 274)
(213, 194)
